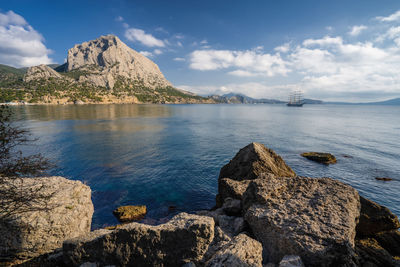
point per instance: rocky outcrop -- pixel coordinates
(375, 218)
(241, 251)
(324, 158)
(253, 160)
(312, 218)
(130, 213)
(67, 214)
(107, 60)
(185, 238)
(41, 72)
(248, 164)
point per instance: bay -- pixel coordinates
(168, 157)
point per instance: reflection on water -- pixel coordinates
(91, 112)
(170, 155)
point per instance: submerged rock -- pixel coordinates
(324, 158)
(386, 179)
(68, 215)
(312, 218)
(185, 238)
(130, 213)
(375, 218)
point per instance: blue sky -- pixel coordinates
(332, 50)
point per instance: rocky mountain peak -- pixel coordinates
(40, 72)
(107, 59)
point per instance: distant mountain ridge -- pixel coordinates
(233, 98)
(104, 70)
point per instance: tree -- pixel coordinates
(15, 198)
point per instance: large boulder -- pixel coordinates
(241, 251)
(253, 160)
(185, 238)
(375, 218)
(312, 218)
(62, 210)
(248, 164)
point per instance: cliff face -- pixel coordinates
(41, 72)
(108, 59)
(104, 70)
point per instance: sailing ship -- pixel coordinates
(295, 99)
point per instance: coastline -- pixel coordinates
(261, 201)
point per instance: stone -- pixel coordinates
(390, 240)
(231, 225)
(385, 179)
(371, 253)
(291, 261)
(232, 207)
(253, 160)
(130, 213)
(219, 241)
(375, 218)
(228, 188)
(241, 251)
(41, 72)
(324, 158)
(314, 218)
(107, 60)
(185, 238)
(68, 215)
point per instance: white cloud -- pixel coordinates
(356, 30)
(21, 45)
(146, 53)
(138, 35)
(242, 73)
(283, 48)
(393, 17)
(157, 52)
(248, 61)
(119, 18)
(179, 59)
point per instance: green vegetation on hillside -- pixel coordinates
(13, 88)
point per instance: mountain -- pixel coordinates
(233, 98)
(104, 70)
(390, 102)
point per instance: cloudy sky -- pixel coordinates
(332, 50)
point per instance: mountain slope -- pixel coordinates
(104, 70)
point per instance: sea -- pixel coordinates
(168, 157)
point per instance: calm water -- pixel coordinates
(170, 155)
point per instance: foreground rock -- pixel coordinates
(68, 214)
(375, 218)
(324, 158)
(185, 238)
(130, 213)
(313, 218)
(253, 160)
(248, 164)
(240, 251)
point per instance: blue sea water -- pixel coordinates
(168, 157)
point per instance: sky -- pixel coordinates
(331, 50)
